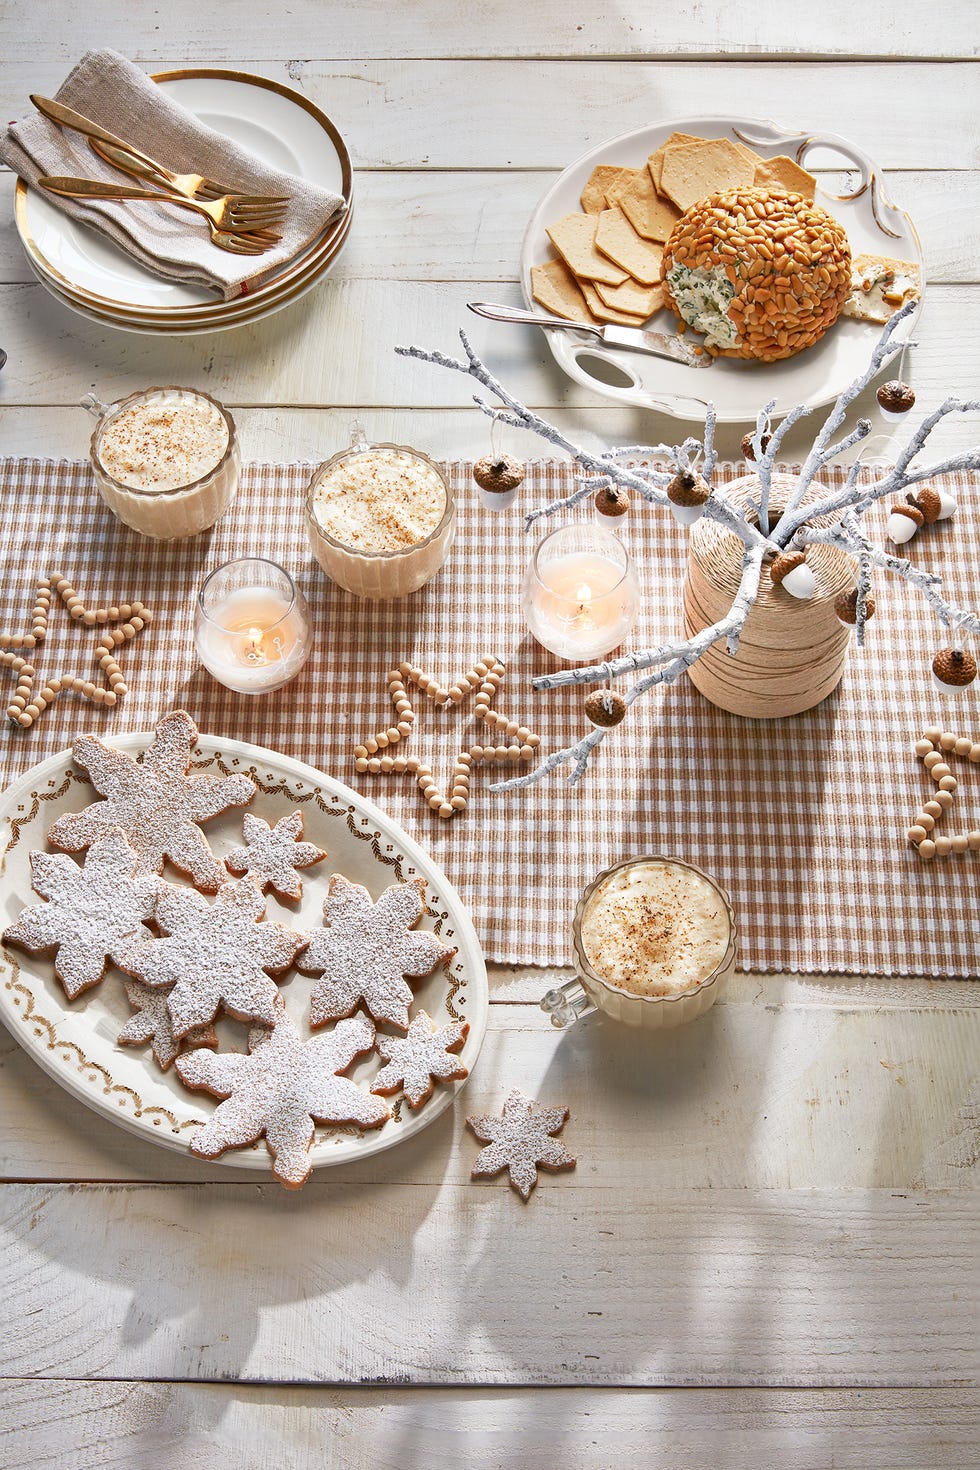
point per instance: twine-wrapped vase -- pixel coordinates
(792, 653)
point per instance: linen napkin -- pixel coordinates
(168, 240)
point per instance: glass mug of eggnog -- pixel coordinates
(166, 460)
(655, 941)
(381, 518)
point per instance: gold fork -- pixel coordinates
(133, 161)
(229, 217)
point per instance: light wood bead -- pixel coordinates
(38, 631)
(49, 693)
(481, 668)
(500, 753)
(948, 783)
(961, 843)
(427, 785)
(118, 637)
(112, 614)
(411, 763)
(513, 754)
(404, 728)
(422, 770)
(371, 746)
(440, 695)
(527, 752)
(101, 615)
(938, 769)
(534, 740)
(374, 765)
(944, 846)
(25, 720)
(464, 758)
(99, 694)
(973, 841)
(6, 639)
(473, 679)
(480, 708)
(933, 733)
(917, 834)
(933, 759)
(33, 710)
(44, 584)
(118, 683)
(446, 809)
(422, 680)
(394, 734)
(456, 694)
(381, 740)
(436, 800)
(927, 849)
(963, 746)
(399, 764)
(360, 764)
(125, 611)
(933, 808)
(76, 612)
(360, 752)
(975, 753)
(395, 678)
(925, 821)
(13, 712)
(137, 624)
(113, 694)
(945, 798)
(458, 802)
(947, 740)
(89, 617)
(476, 752)
(387, 764)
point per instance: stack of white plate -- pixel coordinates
(94, 277)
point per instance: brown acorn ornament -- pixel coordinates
(687, 493)
(845, 606)
(605, 707)
(748, 450)
(954, 670)
(498, 473)
(612, 500)
(790, 571)
(895, 399)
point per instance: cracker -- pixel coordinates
(651, 215)
(616, 237)
(594, 193)
(600, 312)
(782, 173)
(879, 286)
(691, 171)
(574, 239)
(655, 162)
(632, 298)
(555, 288)
(749, 154)
(616, 190)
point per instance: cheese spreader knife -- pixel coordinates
(634, 339)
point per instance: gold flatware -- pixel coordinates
(138, 163)
(230, 220)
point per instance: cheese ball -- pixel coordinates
(762, 274)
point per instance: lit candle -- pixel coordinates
(580, 596)
(252, 626)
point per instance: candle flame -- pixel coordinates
(254, 653)
(584, 593)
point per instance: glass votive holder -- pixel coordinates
(580, 596)
(655, 942)
(381, 518)
(252, 626)
(166, 461)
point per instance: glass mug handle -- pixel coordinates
(567, 1003)
(94, 405)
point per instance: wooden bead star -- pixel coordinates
(17, 651)
(485, 677)
(933, 750)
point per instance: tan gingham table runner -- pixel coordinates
(802, 819)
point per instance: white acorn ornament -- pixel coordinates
(953, 670)
(895, 399)
(498, 478)
(688, 494)
(904, 520)
(790, 571)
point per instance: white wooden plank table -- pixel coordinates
(768, 1254)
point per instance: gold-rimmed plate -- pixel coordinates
(75, 1041)
(278, 124)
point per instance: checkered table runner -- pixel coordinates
(803, 820)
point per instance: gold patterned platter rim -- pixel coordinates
(75, 1041)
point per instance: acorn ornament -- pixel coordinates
(605, 707)
(748, 448)
(790, 571)
(688, 493)
(845, 606)
(498, 478)
(612, 501)
(895, 399)
(935, 505)
(953, 670)
(904, 519)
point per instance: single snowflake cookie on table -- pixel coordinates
(152, 1024)
(281, 1088)
(521, 1141)
(271, 855)
(214, 954)
(155, 801)
(418, 1061)
(92, 912)
(368, 949)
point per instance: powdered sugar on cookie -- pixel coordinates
(417, 1061)
(279, 1089)
(152, 1024)
(155, 801)
(367, 950)
(520, 1141)
(91, 913)
(271, 855)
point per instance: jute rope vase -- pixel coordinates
(792, 654)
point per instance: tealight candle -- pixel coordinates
(580, 595)
(252, 626)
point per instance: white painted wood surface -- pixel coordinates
(768, 1253)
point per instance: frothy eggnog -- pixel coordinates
(164, 442)
(655, 928)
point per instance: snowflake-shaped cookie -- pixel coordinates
(92, 911)
(152, 1024)
(271, 855)
(279, 1089)
(155, 802)
(417, 1061)
(368, 949)
(520, 1141)
(214, 954)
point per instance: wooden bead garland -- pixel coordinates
(485, 677)
(931, 750)
(27, 704)
(792, 653)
